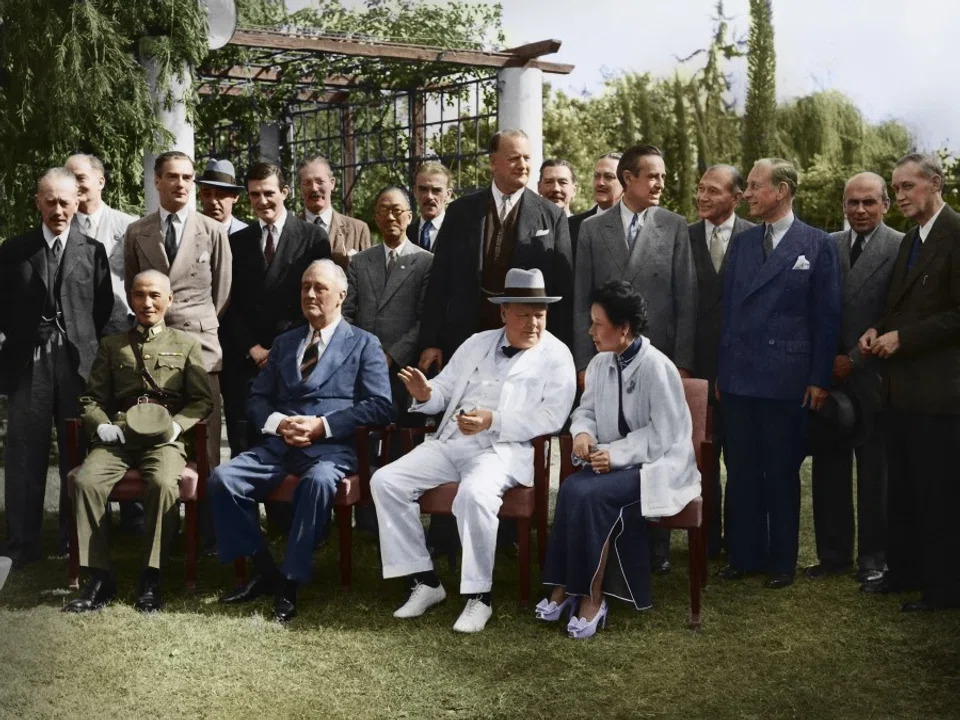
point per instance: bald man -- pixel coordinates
(868, 253)
(55, 300)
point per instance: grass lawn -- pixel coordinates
(816, 650)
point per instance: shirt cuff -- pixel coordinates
(272, 423)
(495, 423)
(326, 427)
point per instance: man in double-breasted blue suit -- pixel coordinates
(781, 316)
(319, 384)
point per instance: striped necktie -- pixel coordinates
(311, 355)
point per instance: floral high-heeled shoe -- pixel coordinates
(549, 611)
(580, 629)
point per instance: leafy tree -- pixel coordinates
(759, 120)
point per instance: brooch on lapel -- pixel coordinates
(632, 385)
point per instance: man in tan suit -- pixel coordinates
(348, 236)
(193, 250)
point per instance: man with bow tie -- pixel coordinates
(501, 389)
(318, 385)
(781, 317)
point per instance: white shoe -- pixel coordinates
(474, 617)
(421, 599)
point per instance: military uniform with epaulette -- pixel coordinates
(127, 391)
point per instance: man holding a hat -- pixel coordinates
(146, 389)
(501, 389)
(218, 193)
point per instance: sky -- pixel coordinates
(895, 60)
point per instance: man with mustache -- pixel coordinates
(434, 188)
(606, 193)
(347, 235)
(558, 183)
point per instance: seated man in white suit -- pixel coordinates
(501, 389)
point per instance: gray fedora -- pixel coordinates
(220, 174)
(524, 286)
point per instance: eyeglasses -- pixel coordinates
(395, 212)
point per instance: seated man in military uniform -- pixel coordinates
(146, 389)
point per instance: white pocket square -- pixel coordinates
(541, 233)
(204, 257)
(802, 263)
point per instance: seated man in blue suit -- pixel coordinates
(318, 385)
(781, 317)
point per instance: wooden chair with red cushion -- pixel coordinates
(351, 490)
(523, 504)
(193, 485)
(693, 518)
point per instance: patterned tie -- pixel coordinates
(632, 231)
(310, 356)
(391, 261)
(767, 241)
(170, 241)
(504, 208)
(425, 234)
(270, 249)
(319, 221)
(716, 248)
(856, 249)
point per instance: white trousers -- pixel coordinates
(396, 487)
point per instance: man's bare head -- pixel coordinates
(150, 297)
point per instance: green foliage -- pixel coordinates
(759, 120)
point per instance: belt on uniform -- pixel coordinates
(171, 402)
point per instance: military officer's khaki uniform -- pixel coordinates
(173, 358)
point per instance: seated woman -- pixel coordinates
(632, 432)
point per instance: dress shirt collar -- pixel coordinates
(181, 215)
(925, 228)
(325, 333)
(726, 227)
(434, 224)
(866, 238)
(227, 224)
(399, 249)
(599, 210)
(780, 227)
(277, 226)
(626, 217)
(498, 197)
(50, 238)
(94, 218)
(326, 214)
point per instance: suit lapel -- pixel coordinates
(614, 239)
(527, 359)
(151, 242)
(870, 260)
(289, 243)
(643, 247)
(401, 271)
(784, 255)
(187, 253)
(72, 253)
(478, 225)
(928, 250)
(375, 267)
(342, 342)
(527, 218)
(39, 257)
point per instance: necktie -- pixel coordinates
(319, 221)
(767, 241)
(57, 250)
(504, 208)
(425, 234)
(170, 240)
(856, 249)
(914, 251)
(716, 248)
(310, 356)
(510, 351)
(270, 248)
(391, 261)
(88, 227)
(633, 230)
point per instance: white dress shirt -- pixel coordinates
(626, 217)
(499, 196)
(866, 238)
(780, 228)
(51, 238)
(90, 230)
(925, 228)
(399, 250)
(177, 226)
(726, 231)
(277, 232)
(274, 420)
(434, 228)
(326, 215)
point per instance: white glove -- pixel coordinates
(110, 434)
(177, 431)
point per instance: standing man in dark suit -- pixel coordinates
(269, 258)
(558, 183)
(718, 194)
(347, 235)
(606, 193)
(433, 187)
(918, 343)
(219, 193)
(649, 247)
(867, 254)
(55, 300)
(781, 318)
(484, 235)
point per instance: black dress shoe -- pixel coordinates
(916, 606)
(20, 559)
(729, 572)
(823, 569)
(99, 592)
(778, 581)
(258, 587)
(885, 585)
(284, 610)
(865, 575)
(150, 599)
(660, 566)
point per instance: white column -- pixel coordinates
(520, 96)
(173, 118)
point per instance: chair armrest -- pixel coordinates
(362, 438)
(566, 454)
(202, 457)
(706, 466)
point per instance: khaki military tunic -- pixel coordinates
(175, 362)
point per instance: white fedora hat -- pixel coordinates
(524, 286)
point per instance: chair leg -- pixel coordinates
(693, 540)
(344, 525)
(523, 537)
(542, 538)
(702, 555)
(74, 562)
(240, 571)
(192, 539)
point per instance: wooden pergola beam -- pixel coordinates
(265, 40)
(535, 49)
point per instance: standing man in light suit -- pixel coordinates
(194, 252)
(348, 236)
(501, 389)
(649, 247)
(718, 194)
(97, 220)
(781, 317)
(868, 252)
(433, 188)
